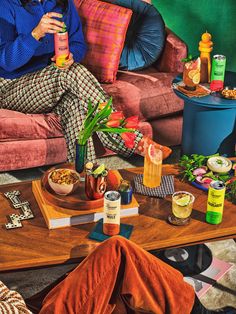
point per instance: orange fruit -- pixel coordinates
(154, 154)
(151, 151)
(196, 78)
(192, 73)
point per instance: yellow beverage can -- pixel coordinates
(215, 202)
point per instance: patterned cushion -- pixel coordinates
(104, 27)
(145, 36)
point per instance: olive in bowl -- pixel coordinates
(63, 181)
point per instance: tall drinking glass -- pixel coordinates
(191, 74)
(152, 167)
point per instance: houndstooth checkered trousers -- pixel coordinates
(66, 93)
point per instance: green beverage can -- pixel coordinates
(215, 202)
(218, 72)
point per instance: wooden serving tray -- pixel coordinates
(78, 199)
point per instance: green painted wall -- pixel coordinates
(189, 19)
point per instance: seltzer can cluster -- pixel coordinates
(215, 202)
(218, 72)
(111, 220)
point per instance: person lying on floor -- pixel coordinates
(120, 270)
(30, 82)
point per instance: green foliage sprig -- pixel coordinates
(189, 163)
(189, 58)
(230, 194)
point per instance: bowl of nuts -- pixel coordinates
(63, 181)
(229, 92)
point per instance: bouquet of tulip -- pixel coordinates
(100, 118)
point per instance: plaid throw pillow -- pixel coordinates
(104, 27)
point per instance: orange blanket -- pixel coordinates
(120, 269)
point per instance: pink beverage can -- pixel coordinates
(61, 43)
(218, 72)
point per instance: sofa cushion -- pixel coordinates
(24, 154)
(104, 27)
(168, 130)
(145, 37)
(145, 93)
(17, 125)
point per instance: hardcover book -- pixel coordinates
(58, 217)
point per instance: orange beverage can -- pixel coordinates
(111, 220)
(61, 42)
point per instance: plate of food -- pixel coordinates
(202, 170)
(229, 92)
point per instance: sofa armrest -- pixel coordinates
(174, 50)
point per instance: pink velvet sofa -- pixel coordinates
(32, 140)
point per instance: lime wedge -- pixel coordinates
(183, 201)
(99, 169)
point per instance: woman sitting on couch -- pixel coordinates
(31, 83)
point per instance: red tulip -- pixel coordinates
(128, 138)
(117, 115)
(113, 123)
(131, 122)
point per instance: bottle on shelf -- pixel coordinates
(205, 48)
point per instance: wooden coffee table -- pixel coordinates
(34, 245)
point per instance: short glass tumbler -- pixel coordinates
(182, 205)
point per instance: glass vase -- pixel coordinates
(80, 156)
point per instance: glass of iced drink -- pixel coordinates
(182, 205)
(152, 167)
(191, 74)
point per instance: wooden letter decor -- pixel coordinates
(26, 212)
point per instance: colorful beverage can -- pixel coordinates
(218, 72)
(111, 220)
(215, 202)
(126, 192)
(61, 43)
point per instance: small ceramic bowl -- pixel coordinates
(63, 181)
(229, 92)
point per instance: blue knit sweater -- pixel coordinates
(20, 53)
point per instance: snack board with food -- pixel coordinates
(202, 170)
